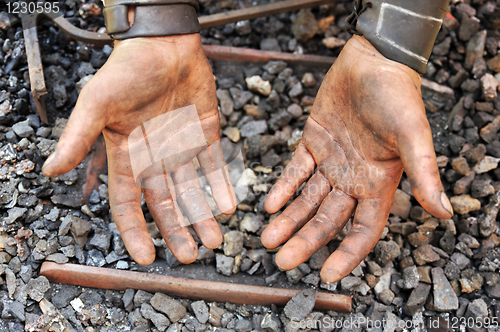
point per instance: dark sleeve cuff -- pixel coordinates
(402, 30)
(153, 18)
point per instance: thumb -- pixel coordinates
(419, 161)
(84, 126)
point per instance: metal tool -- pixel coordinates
(39, 89)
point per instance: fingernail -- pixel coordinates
(446, 203)
(49, 160)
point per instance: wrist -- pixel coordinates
(361, 44)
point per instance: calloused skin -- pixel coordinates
(143, 78)
(367, 125)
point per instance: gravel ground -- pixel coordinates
(424, 274)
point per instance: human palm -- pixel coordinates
(367, 124)
(144, 80)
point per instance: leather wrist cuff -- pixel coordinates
(153, 18)
(402, 30)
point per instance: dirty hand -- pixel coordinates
(150, 78)
(368, 123)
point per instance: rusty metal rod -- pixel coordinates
(250, 13)
(240, 54)
(104, 278)
(35, 69)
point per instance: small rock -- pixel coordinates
(425, 274)
(475, 48)
(386, 251)
(257, 84)
(333, 42)
(233, 134)
(311, 279)
(319, 258)
(243, 27)
(439, 95)
(386, 296)
(22, 129)
(489, 86)
(477, 309)
(215, 315)
(251, 223)
(36, 288)
(300, 305)
(226, 104)
(460, 165)
(445, 298)
(481, 188)
(101, 240)
(253, 128)
(240, 98)
(200, 310)
(294, 276)
(411, 277)
(270, 44)
(275, 67)
(417, 299)
(373, 268)
(304, 26)
(57, 258)
(160, 321)
(10, 280)
(489, 132)
(463, 185)
(141, 297)
(487, 221)
(295, 110)
(308, 80)
(470, 281)
(468, 27)
(233, 243)
(447, 242)
(296, 90)
(271, 322)
(349, 283)
(169, 306)
(401, 204)
(224, 264)
(14, 214)
(425, 254)
(247, 178)
(460, 260)
(487, 164)
(464, 204)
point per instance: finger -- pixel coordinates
(368, 223)
(125, 202)
(215, 170)
(296, 172)
(84, 126)
(332, 216)
(419, 161)
(194, 204)
(168, 217)
(297, 213)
